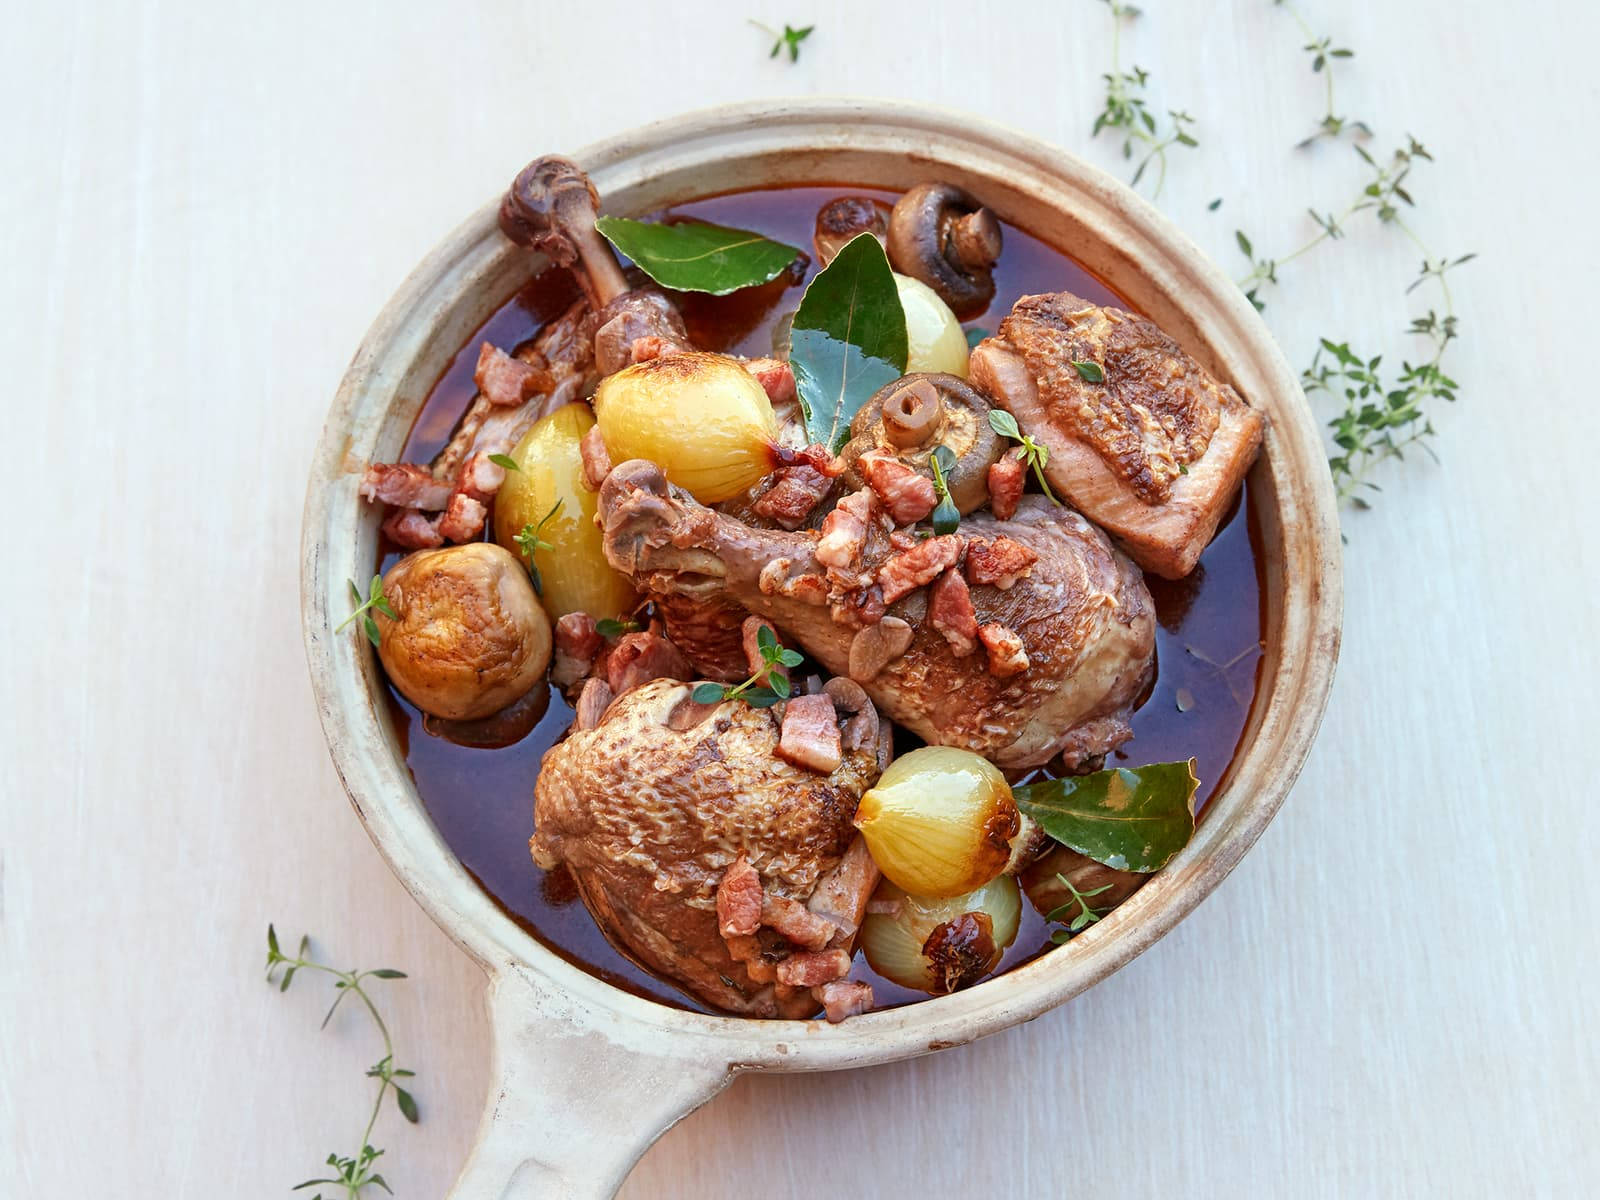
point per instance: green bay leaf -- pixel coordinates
(693, 256)
(1128, 818)
(848, 339)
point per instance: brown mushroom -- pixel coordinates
(471, 636)
(838, 221)
(940, 234)
(915, 413)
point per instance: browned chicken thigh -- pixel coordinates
(1050, 646)
(662, 798)
(1142, 439)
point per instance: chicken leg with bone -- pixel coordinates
(1077, 617)
(550, 208)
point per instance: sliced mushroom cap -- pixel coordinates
(916, 413)
(838, 221)
(940, 234)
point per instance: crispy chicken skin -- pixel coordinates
(1153, 453)
(651, 807)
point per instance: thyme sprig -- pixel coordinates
(766, 686)
(1126, 109)
(352, 1173)
(789, 39)
(1034, 454)
(946, 516)
(529, 542)
(1323, 56)
(1075, 922)
(1383, 194)
(375, 600)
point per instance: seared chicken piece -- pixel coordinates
(652, 805)
(1066, 625)
(1153, 453)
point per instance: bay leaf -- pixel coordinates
(848, 339)
(1128, 818)
(694, 256)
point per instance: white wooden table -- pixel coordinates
(203, 206)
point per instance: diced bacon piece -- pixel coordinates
(640, 657)
(797, 490)
(505, 381)
(596, 459)
(775, 580)
(739, 900)
(907, 495)
(593, 701)
(818, 457)
(903, 539)
(578, 644)
(750, 637)
(844, 998)
(408, 528)
(463, 518)
(1006, 480)
(743, 948)
(813, 968)
(406, 485)
(810, 735)
(844, 531)
(652, 346)
(1006, 655)
(480, 478)
(950, 612)
(859, 608)
(776, 378)
(797, 923)
(999, 563)
(842, 895)
(905, 572)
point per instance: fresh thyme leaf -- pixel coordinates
(353, 1174)
(529, 542)
(946, 517)
(504, 460)
(789, 39)
(1215, 204)
(609, 628)
(1091, 372)
(1034, 454)
(766, 686)
(375, 600)
(709, 693)
(1083, 918)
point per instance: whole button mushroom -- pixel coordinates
(916, 413)
(940, 234)
(471, 636)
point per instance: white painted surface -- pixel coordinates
(202, 212)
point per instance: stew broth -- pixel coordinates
(1208, 641)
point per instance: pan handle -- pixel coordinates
(571, 1109)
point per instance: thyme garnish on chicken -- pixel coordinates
(354, 1173)
(1034, 454)
(766, 686)
(946, 516)
(375, 600)
(529, 542)
(1063, 914)
(789, 39)
(1125, 109)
